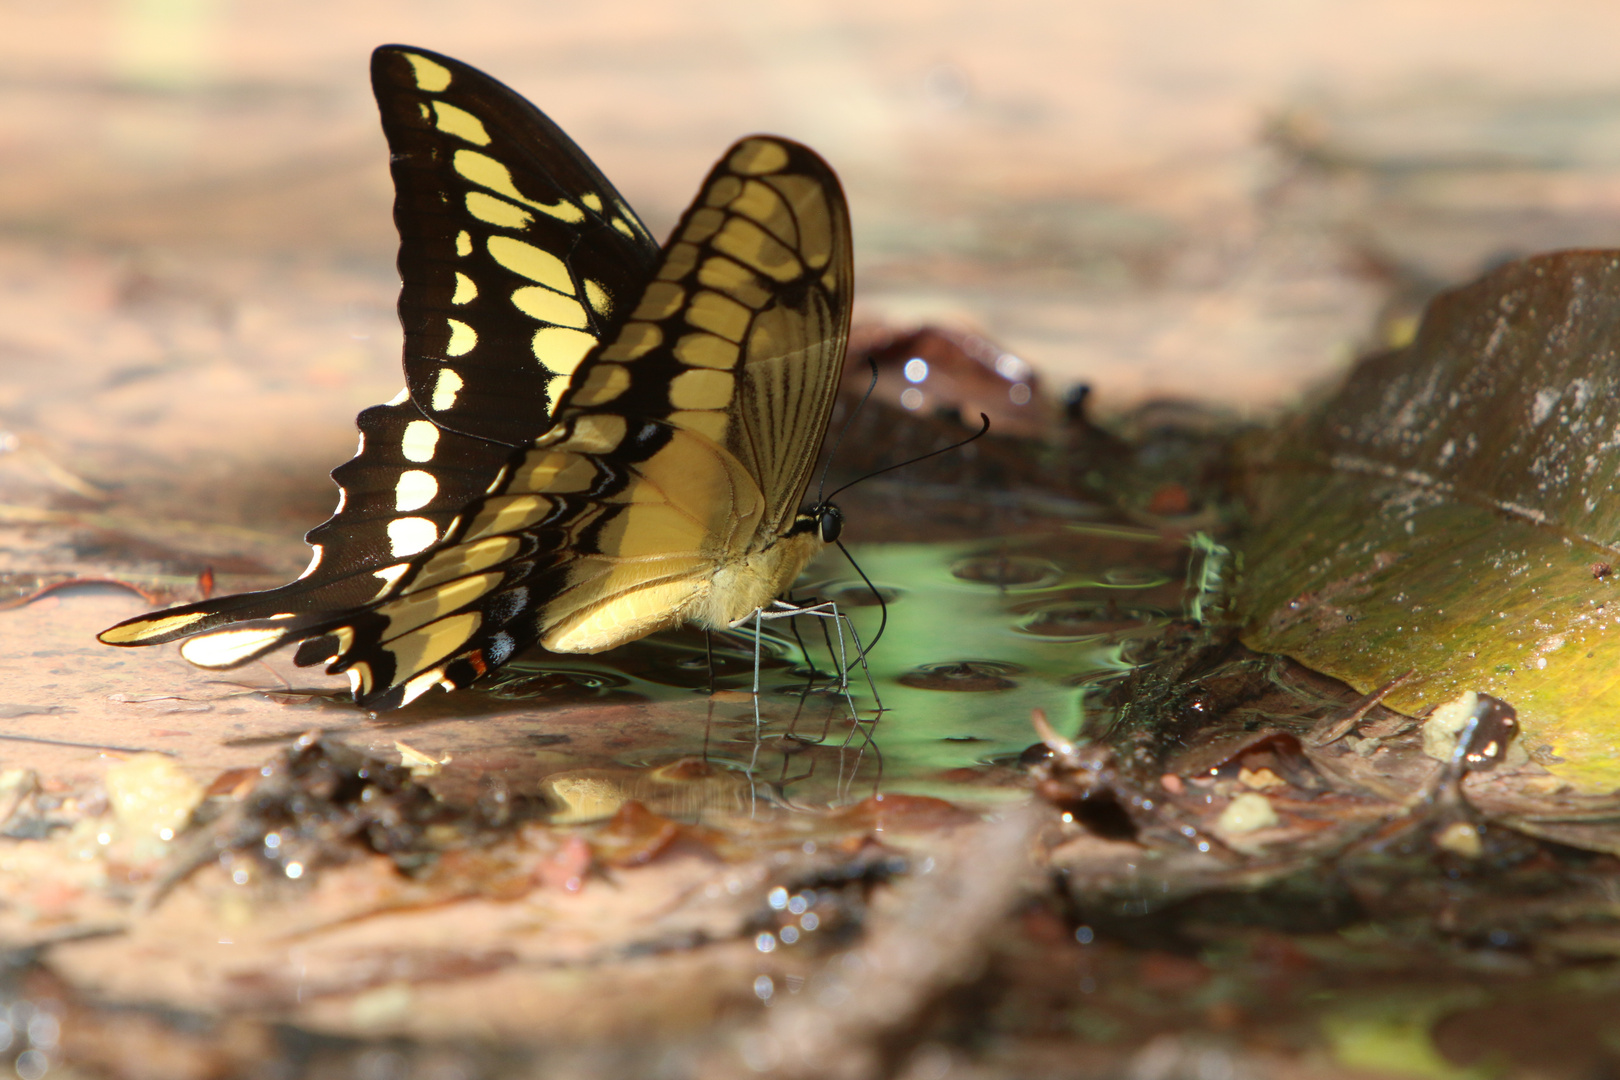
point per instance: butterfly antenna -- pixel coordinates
(871, 386)
(910, 461)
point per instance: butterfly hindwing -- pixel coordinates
(397, 497)
(516, 254)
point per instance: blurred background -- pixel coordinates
(1155, 197)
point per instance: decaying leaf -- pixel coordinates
(1450, 511)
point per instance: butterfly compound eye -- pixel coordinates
(829, 523)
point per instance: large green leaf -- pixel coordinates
(1451, 510)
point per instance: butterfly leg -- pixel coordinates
(829, 610)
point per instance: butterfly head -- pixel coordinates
(824, 520)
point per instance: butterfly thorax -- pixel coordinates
(769, 569)
(742, 586)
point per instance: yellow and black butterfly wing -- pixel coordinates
(679, 452)
(516, 254)
(665, 470)
(510, 238)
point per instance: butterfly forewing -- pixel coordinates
(517, 256)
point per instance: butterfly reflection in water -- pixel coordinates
(598, 438)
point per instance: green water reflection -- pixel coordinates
(978, 635)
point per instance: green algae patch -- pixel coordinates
(1451, 512)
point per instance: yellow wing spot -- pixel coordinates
(710, 423)
(415, 688)
(722, 191)
(445, 389)
(536, 264)
(604, 383)
(597, 295)
(734, 279)
(754, 157)
(701, 388)
(544, 305)
(227, 648)
(753, 246)
(463, 244)
(554, 471)
(359, 679)
(660, 300)
(775, 333)
(466, 289)
(592, 200)
(635, 340)
(421, 439)
(146, 628)
(705, 351)
(409, 535)
(470, 558)
(625, 616)
(418, 608)
(624, 227)
(650, 528)
(719, 314)
(463, 338)
(422, 107)
(389, 576)
(430, 75)
(597, 433)
(678, 262)
(460, 123)
(809, 203)
(766, 207)
(414, 489)
(560, 350)
(316, 552)
(399, 398)
(427, 646)
(485, 171)
(703, 224)
(497, 212)
(504, 514)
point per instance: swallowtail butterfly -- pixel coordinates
(598, 438)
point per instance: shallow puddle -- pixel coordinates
(974, 636)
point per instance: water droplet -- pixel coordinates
(764, 988)
(765, 942)
(777, 898)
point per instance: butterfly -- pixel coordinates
(598, 438)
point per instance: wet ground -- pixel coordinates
(600, 868)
